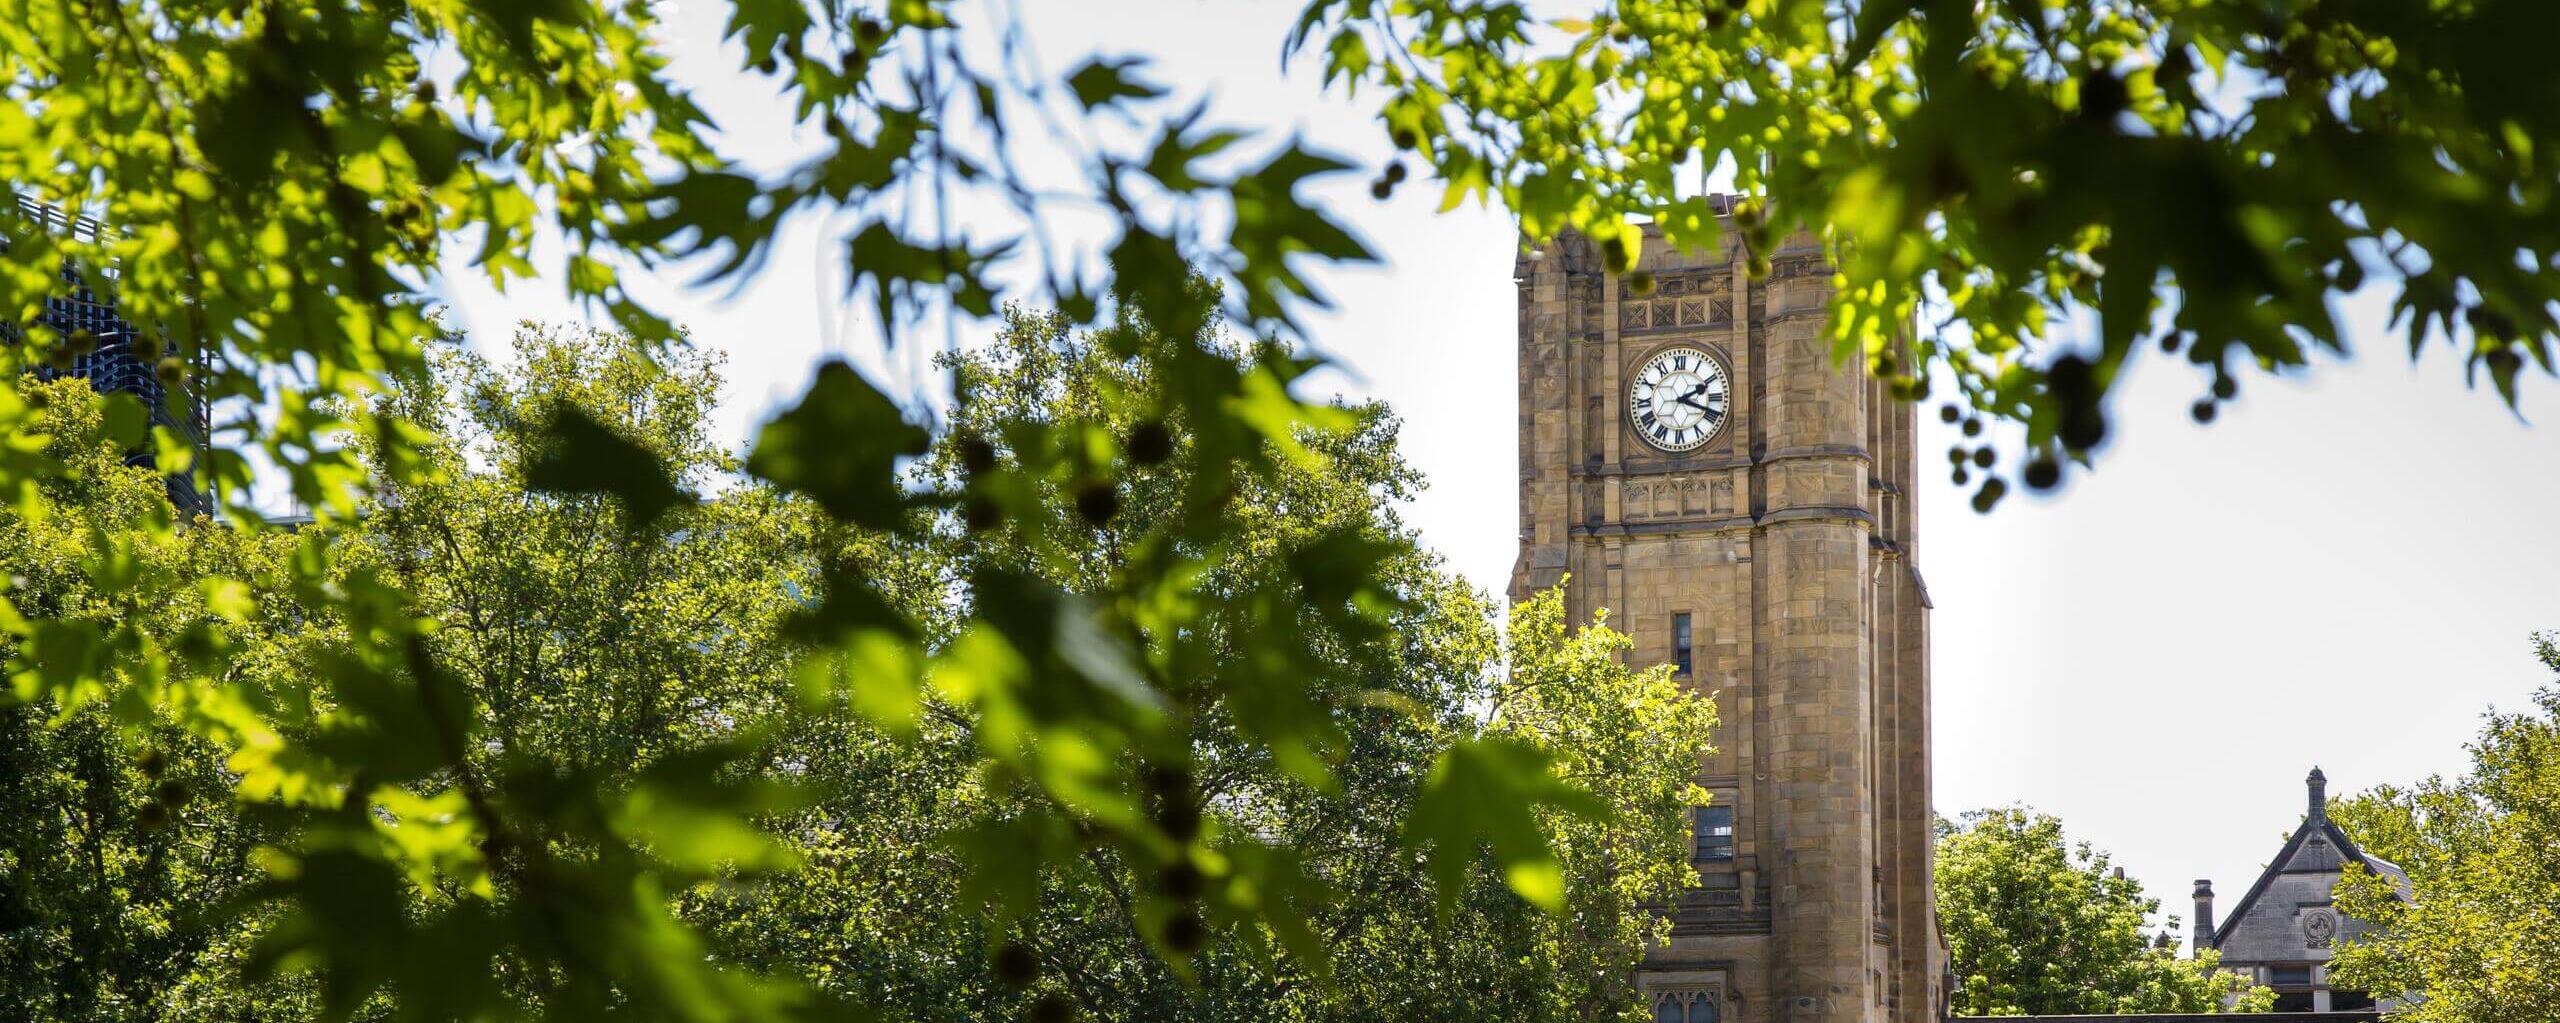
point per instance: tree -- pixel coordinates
(118, 834)
(1631, 738)
(2038, 926)
(606, 659)
(284, 180)
(1407, 687)
(2473, 938)
(2203, 175)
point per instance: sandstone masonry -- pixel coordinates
(1786, 544)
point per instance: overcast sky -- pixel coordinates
(2343, 570)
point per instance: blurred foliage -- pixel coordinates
(2017, 179)
(484, 815)
(2037, 925)
(1288, 900)
(658, 751)
(479, 814)
(2474, 937)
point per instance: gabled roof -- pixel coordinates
(2316, 821)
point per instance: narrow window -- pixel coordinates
(1714, 834)
(1680, 646)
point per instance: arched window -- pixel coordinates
(1685, 1007)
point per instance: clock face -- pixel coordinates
(1680, 399)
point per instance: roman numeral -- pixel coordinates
(1714, 416)
(1646, 420)
(1679, 362)
(1644, 403)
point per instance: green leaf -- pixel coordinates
(127, 421)
(582, 456)
(1488, 793)
(841, 446)
(1103, 80)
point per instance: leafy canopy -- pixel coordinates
(2475, 936)
(2038, 926)
(639, 693)
(285, 179)
(2013, 177)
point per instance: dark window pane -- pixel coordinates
(1703, 1010)
(1666, 1009)
(1713, 834)
(2290, 975)
(1680, 647)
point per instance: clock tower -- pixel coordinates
(1692, 460)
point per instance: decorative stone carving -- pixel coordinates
(2319, 927)
(1790, 267)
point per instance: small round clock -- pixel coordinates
(1680, 399)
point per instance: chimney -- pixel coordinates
(2204, 913)
(2319, 785)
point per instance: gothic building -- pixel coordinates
(1692, 460)
(2281, 932)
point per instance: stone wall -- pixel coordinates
(1788, 543)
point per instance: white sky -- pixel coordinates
(2343, 570)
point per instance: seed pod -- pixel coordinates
(1182, 880)
(2102, 94)
(976, 455)
(1015, 966)
(1989, 496)
(1150, 443)
(1185, 932)
(1098, 503)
